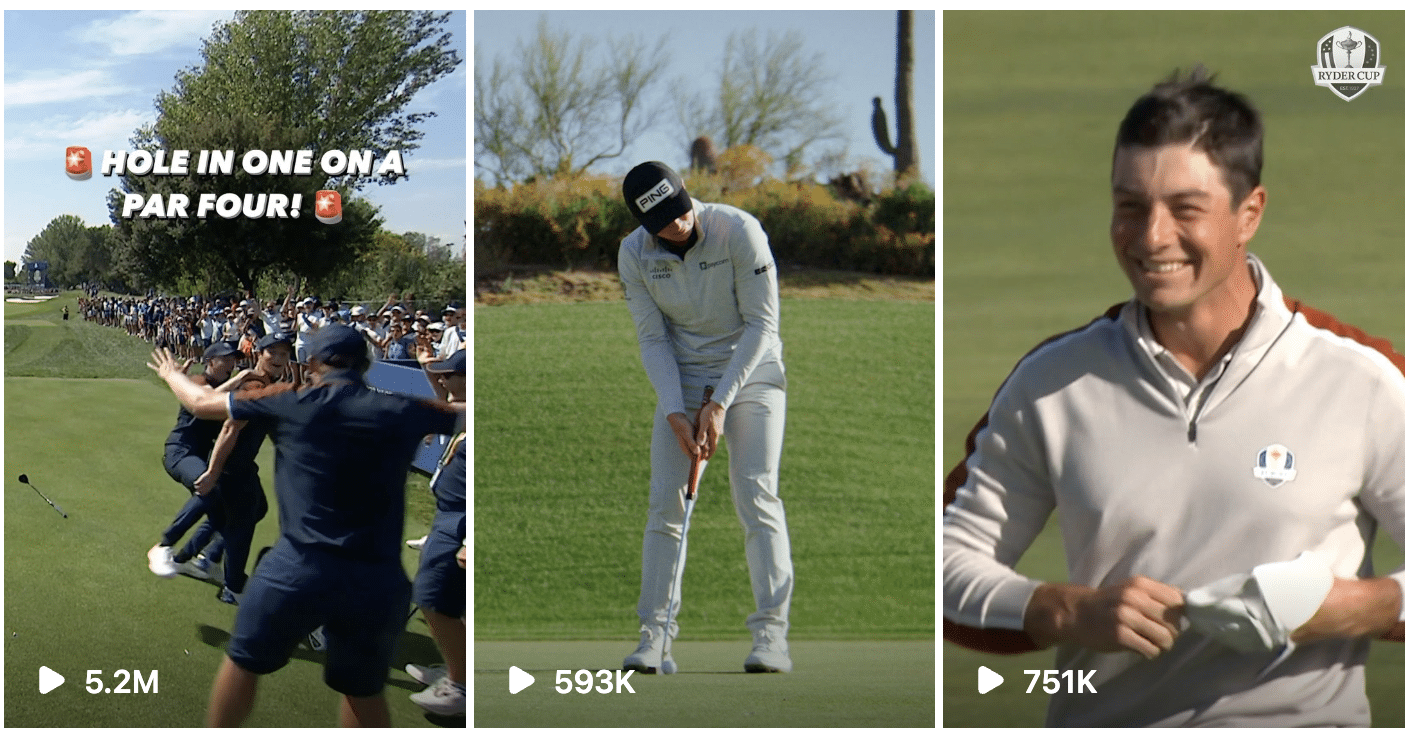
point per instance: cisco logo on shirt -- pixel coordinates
(661, 269)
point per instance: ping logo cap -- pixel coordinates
(655, 195)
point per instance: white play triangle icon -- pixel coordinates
(48, 679)
(517, 679)
(987, 679)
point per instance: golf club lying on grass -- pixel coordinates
(667, 665)
(25, 479)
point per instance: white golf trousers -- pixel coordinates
(753, 427)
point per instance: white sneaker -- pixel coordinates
(426, 674)
(647, 657)
(769, 653)
(317, 640)
(418, 543)
(446, 698)
(159, 560)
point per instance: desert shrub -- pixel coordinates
(580, 223)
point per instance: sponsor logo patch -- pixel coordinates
(706, 266)
(661, 269)
(762, 270)
(1275, 465)
(659, 192)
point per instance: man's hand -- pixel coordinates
(684, 433)
(461, 556)
(1138, 614)
(206, 482)
(711, 425)
(164, 364)
(1354, 608)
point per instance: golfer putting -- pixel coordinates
(342, 452)
(701, 286)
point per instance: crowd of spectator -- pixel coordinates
(188, 324)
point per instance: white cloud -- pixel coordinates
(149, 31)
(62, 88)
(414, 164)
(101, 130)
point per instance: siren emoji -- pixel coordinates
(328, 206)
(78, 163)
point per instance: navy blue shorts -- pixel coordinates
(362, 607)
(440, 582)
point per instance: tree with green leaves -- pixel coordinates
(344, 78)
(551, 113)
(76, 253)
(281, 80)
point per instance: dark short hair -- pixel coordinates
(1221, 123)
(355, 362)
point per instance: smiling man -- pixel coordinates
(1221, 456)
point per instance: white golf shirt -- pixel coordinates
(711, 316)
(1294, 443)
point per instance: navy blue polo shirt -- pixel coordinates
(192, 434)
(251, 437)
(342, 451)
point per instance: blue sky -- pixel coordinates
(89, 78)
(858, 48)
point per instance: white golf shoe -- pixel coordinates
(160, 561)
(426, 674)
(649, 656)
(446, 698)
(769, 653)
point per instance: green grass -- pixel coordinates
(562, 424)
(78, 595)
(859, 684)
(1031, 104)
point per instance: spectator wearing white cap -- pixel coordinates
(437, 333)
(369, 331)
(310, 318)
(453, 335)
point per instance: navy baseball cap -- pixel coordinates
(655, 195)
(272, 339)
(220, 349)
(454, 364)
(336, 340)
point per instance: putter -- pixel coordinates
(668, 667)
(24, 478)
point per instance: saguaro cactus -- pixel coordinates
(905, 151)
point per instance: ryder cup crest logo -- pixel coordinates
(1275, 465)
(1349, 62)
(657, 193)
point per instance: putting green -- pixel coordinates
(833, 683)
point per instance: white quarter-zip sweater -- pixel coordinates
(1294, 442)
(709, 317)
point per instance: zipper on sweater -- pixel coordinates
(1202, 400)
